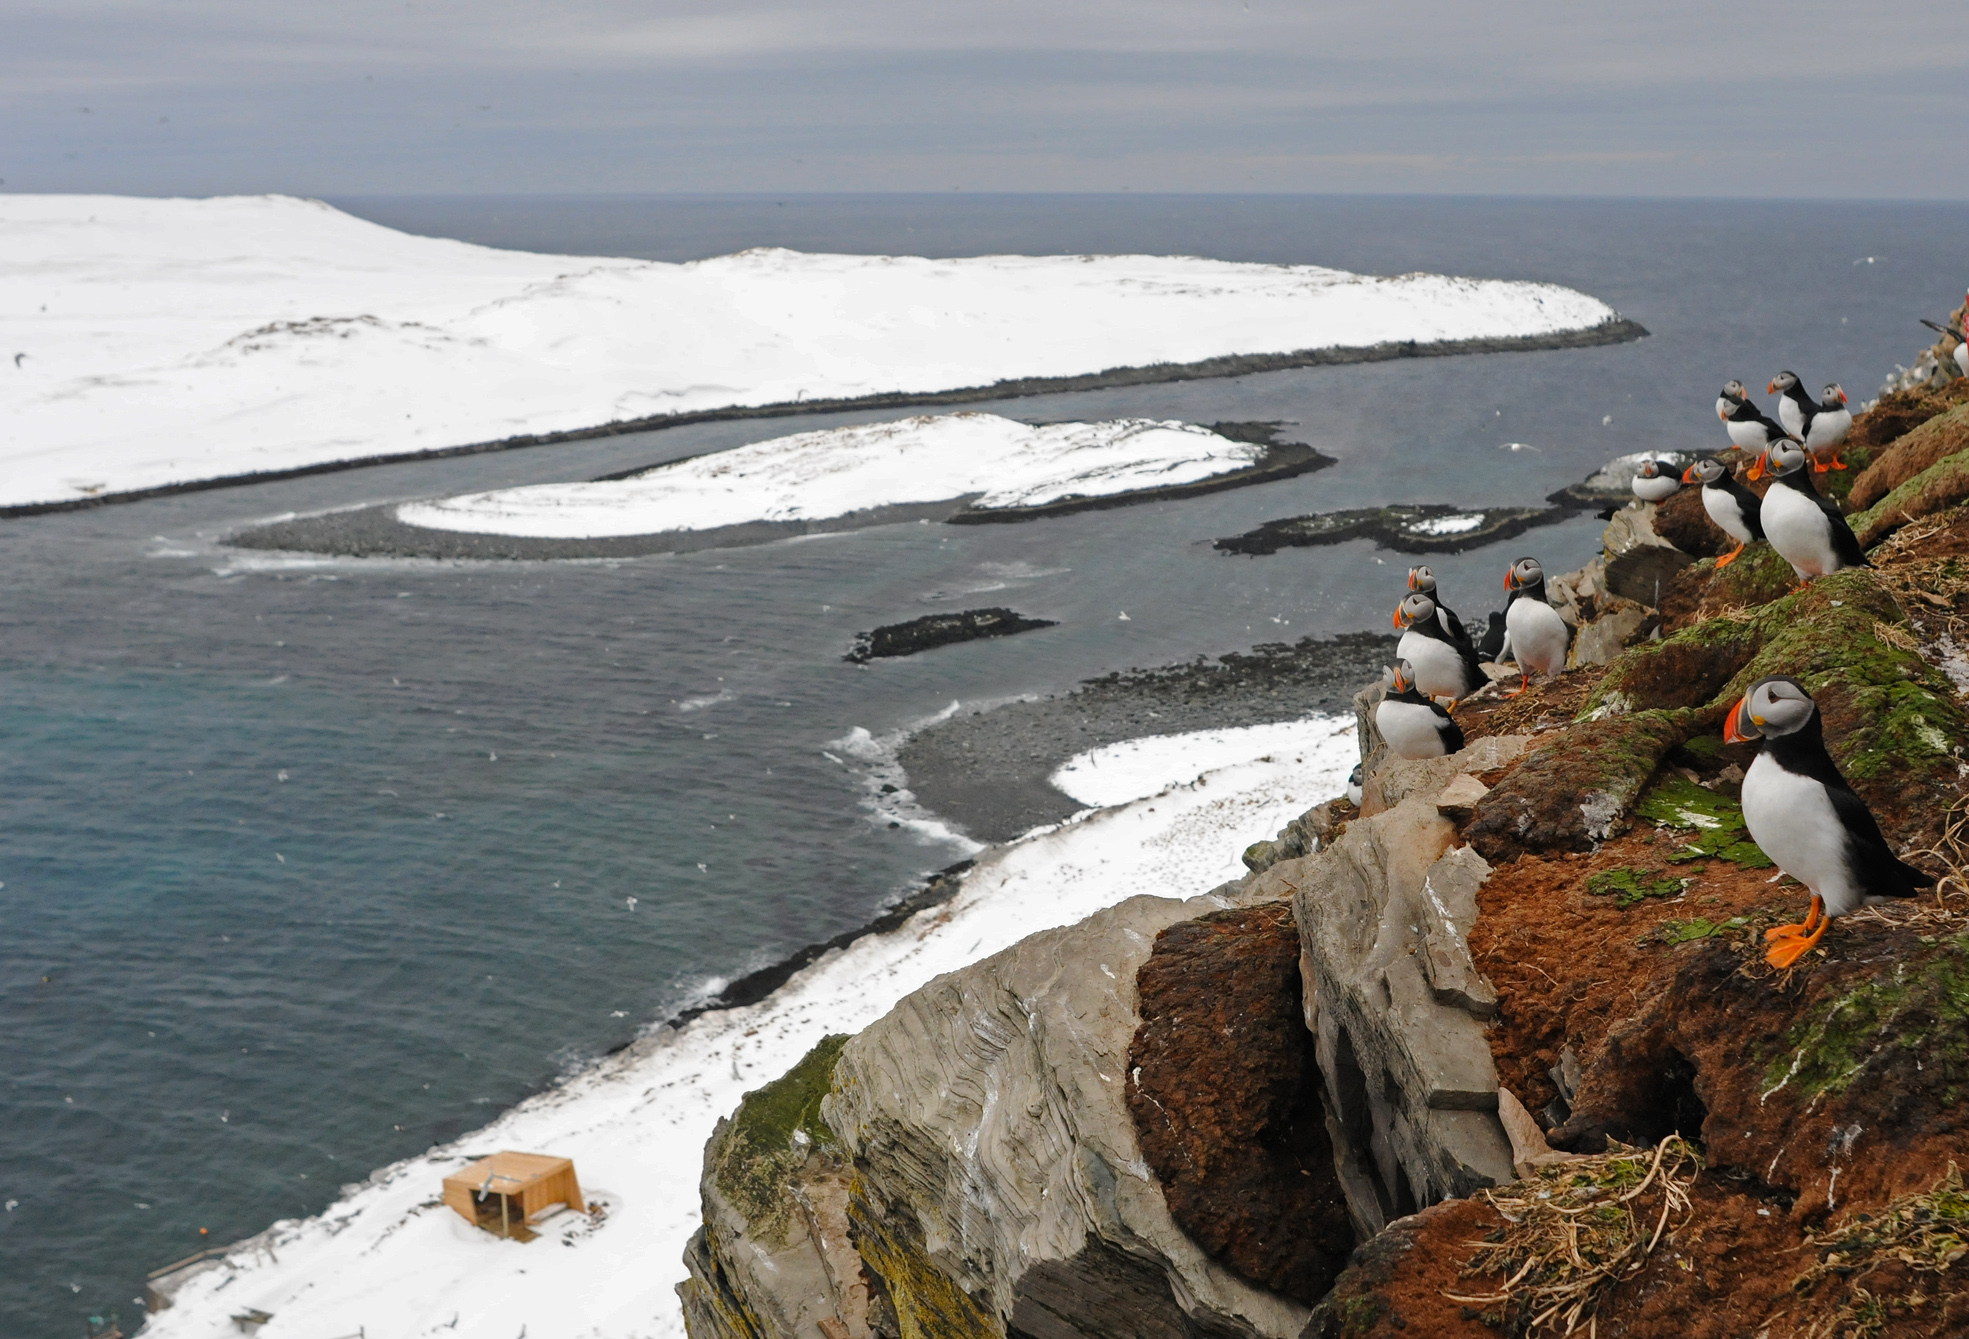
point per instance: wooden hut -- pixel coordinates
(507, 1192)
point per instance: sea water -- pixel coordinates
(306, 864)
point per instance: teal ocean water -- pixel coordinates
(306, 864)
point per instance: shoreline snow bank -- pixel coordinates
(388, 1261)
(820, 475)
(170, 341)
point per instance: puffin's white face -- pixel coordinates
(1783, 381)
(1832, 392)
(1421, 578)
(1525, 572)
(1704, 472)
(1650, 469)
(1735, 390)
(1787, 457)
(1401, 678)
(1417, 608)
(1773, 708)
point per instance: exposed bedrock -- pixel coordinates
(988, 1116)
(1395, 1004)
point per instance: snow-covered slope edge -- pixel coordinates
(389, 1261)
(169, 344)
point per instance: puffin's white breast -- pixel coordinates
(1748, 436)
(1438, 667)
(1722, 509)
(1410, 728)
(1538, 635)
(1799, 531)
(1829, 429)
(1792, 415)
(1791, 817)
(1657, 489)
(1962, 358)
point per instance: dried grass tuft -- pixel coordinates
(1575, 1232)
(1926, 1233)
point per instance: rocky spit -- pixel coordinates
(1495, 1052)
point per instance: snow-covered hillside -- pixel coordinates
(150, 342)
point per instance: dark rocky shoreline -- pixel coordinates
(1618, 331)
(934, 630)
(987, 771)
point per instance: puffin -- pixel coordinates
(1807, 530)
(1538, 636)
(1413, 725)
(1801, 415)
(1354, 784)
(1439, 666)
(1422, 580)
(1829, 428)
(1751, 429)
(1656, 481)
(1961, 339)
(1800, 810)
(1734, 508)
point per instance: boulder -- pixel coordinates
(1393, 999)
(1640, 563)
(1006, 1189)
(1621, 623)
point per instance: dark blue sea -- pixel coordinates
(307, 864)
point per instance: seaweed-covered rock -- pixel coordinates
(1224, 1089)
(934, 630)
(1910, 454)
(1413, 528)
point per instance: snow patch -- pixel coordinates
(1136, 769)
(820, 475)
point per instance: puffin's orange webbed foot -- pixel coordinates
(1728, 558)
(1789, 943)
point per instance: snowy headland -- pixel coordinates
(389, 1261)
(151, 344)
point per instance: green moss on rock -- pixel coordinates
(1631, 887)
(1936, 488)
(1921, 1007)
(1715, 820)
(928, 1303)
(771, 1135)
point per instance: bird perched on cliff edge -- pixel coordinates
(1800, 810)
(1961, 339)
(1441, 668)
(1807, 530)
(1656, 481)
(1820, 426)
(1413, 725)
(1538, 636)
(1423, 581)
(1734, 508)
(1750, 428)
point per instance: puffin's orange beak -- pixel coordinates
(1842, 397)
(1689, 475)
(1771, 388)
(1398, 618)
(1731, 735)
(1757, 470)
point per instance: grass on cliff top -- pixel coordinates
(1925, 1233)
(1920, 1006)
(771, 1134)
(1576, 1231)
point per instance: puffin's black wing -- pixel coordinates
(1748, 504)
(1882, 873)
(1844, 542)
(1457, 632)
(1451, 732)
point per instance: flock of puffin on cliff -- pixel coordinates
(1798, 807)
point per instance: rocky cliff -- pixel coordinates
(1496, 1052)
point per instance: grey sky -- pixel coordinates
(1804, 98)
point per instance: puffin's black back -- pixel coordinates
(1882, 873)
(1844, 542)
(1748, 503)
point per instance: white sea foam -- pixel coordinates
(174, 340)
(388, 1261)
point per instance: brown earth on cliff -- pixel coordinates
(1224, 1090)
